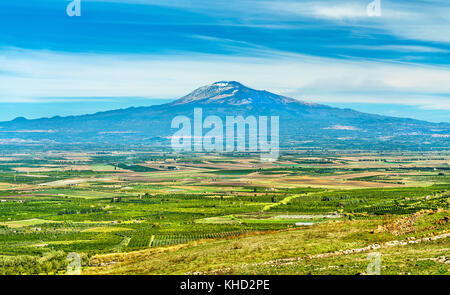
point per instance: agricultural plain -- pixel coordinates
(149, 212)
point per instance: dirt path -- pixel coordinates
(285, 201)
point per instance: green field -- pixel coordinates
(158, 213)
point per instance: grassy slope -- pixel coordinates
(236, 255)
(428, 258)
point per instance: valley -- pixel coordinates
(154, 212)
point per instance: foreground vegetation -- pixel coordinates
(158, 213)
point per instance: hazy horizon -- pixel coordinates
(74, 107)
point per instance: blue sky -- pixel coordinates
(121, 53)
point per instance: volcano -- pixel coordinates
(302, 124)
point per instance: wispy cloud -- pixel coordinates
(400, 48)
(319, 9)
(50, 74)
(414, 20)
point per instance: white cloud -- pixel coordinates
(399, 48)
(319, 9)
(31, 75)
(414, 20)
(424, 101)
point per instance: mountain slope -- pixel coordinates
(301, 123)
(232, 93)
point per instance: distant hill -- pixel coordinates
(302, 124)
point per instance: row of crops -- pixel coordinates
(436, 202)
(383, 209)
(374, 201)
(140, 240)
